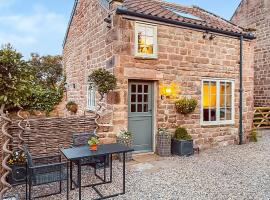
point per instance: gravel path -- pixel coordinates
(233, 172)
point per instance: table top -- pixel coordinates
(77, 153)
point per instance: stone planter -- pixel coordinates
(127, 143)
(182, 147)
(163, 145)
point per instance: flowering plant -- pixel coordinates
(93, 141)
(186, 105)
(125, 135)
(17, 158)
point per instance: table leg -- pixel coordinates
(67, 182)
(79, 179)
(110, 168)
(124, 173)
(70, 167)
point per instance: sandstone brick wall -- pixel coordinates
(256, 14)
(185, 58)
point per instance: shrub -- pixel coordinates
(253, 136)
(186, 105)
(124, 135)
(182, 134)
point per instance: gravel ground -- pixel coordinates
(233, 172)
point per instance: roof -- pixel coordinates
(193, 16)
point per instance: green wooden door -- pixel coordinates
(140, 114)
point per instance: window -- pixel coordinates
(182, 13)
(145, 40)
(217, 102)
(91, 97)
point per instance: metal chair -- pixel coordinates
(43, 171)
(81, 139)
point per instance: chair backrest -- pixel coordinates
(28, 156)
(81, 139)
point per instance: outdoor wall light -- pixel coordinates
(168, 91)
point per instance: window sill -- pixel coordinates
(203, 124)
(145, 57)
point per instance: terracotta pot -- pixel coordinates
(73, 108)
(93, 147)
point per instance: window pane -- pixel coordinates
(139, 88)
(213, 114)
(145, 89)
(133, 98)
(222, 113)
(145, 108)
(139, 97)
(229, 88)
(139, 108)
(133, 107)
(228, 114)
(133, 88)
(149, 31)
(228, 101)
(206, 115)
(149, 45)
(141, 30)
(145, 98)
(206, 102)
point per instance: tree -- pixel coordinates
(15, 84)
(31, 85)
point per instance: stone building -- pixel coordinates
(150, 45)
(255, 14)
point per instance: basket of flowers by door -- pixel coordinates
(163, 142)
(125, 137)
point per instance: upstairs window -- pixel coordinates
(145, 40)
(217, 102)
(91, 97)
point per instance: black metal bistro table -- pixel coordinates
(76, 154)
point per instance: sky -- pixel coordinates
(39, 26)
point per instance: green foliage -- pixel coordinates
(48, 69)
(103, 80)
(18, 157)
(254, 136)
(93, 141)
(34, 85)
(164, 131)
(186, 105)
(16, 78)
(182, 134)
(125, 135)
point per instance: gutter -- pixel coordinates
(249, 36)
(70, 20)
(241, 93)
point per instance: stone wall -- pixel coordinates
(255, 14)
(185, 58)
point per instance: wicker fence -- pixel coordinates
(261, 118)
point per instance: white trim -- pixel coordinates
(91, 98)
(155, 46)
(218, 121)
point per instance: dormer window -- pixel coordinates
(145, 40)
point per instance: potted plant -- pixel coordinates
(72, 107)
(182, 143)
(186, 105)
(17, 163)
(125, 137)
(93, 142)
(163, 145)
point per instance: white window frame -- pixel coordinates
(91, 97)
(218, 121)
(155, 48)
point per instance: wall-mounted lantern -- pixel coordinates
(168, 91)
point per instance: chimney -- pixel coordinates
(114, 4)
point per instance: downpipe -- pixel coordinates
(241, 93)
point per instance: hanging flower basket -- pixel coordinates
(72, 107)
(186, 105)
